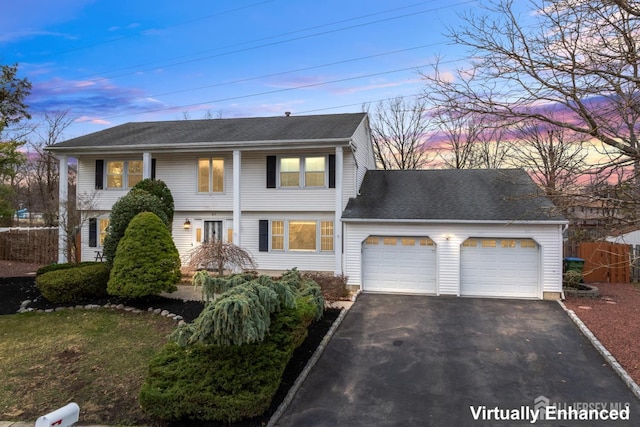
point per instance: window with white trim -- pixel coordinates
(210, 175)
(103, 224)
(123, 173)
(303, 171)
(302, 236)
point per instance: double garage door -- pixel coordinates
(488, 267)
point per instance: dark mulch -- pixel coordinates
(14, 290)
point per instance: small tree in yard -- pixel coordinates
(127, 207)
(219, 255)
(147, 261)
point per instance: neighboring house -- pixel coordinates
(301, 191)
(626, 236)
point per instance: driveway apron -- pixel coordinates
(417, 361)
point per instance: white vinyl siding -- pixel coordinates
(255, 197)
(364, 158)
(283, 260)
(449, 238)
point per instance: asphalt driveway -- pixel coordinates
(419, 360)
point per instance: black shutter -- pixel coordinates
(93, 232)
(99, 174)
(271, 171)
(332, 171)
(263, 236)
(153, 168)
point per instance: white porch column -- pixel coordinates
(63, 200)
(146, 165)
(337, 227)
(237, 158)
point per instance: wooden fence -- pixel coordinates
(32, 245)
(606, 262)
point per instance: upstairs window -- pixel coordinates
(289, 172)
(297, 172)
(123, 173)
(210, 175)
(314, 168)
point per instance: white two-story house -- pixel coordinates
(276, 186)
(302, 191)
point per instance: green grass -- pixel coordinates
(96, 358)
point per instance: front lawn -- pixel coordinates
(96, 358)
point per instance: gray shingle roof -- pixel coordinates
(173, 133)
(451, 194)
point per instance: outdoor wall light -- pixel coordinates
(448, 236)
(187, 224)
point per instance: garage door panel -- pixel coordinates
(499, 268)
(399, 264)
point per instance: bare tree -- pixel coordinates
(40, 177)
(78, 210)
(493, 149)
(218, 256)
(399, 131)
(579, 56)
(555, 158)
(459, 135)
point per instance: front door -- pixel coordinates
(212, 231)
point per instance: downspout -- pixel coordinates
(564, 228)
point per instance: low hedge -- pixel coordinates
(63, 266)
(224, 383)
(74, 283)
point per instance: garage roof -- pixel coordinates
(451, 195)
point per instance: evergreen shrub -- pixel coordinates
(75, 283)
(147, 261)
(123, 211)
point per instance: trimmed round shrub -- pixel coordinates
(158, 188)
(123, 211)
(147, 261)
(63, 266)
(74, 283)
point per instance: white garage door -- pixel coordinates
(399, 264)
(499, 268)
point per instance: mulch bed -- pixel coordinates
(15, 290)
(614, 318)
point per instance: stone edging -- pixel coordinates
(24, 308)
(603, 351)
(310, 364)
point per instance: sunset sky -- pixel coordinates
(111, 62)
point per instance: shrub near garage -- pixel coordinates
(202, 377)
(147, 261)
(74, 283)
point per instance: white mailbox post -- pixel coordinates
(63, 417)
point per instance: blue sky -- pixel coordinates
(111, 62)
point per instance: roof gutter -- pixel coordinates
(198, 146)
(454, 221)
